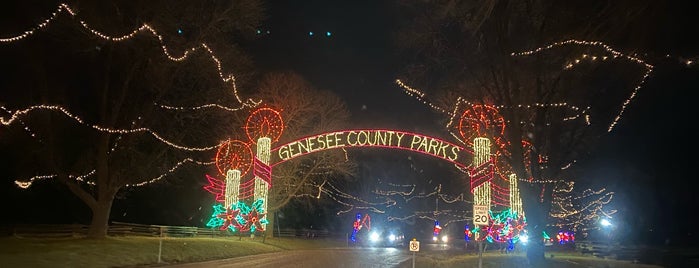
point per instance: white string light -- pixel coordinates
(205, 106)
(17, 114)
(454, 114)
(614, 54)
(169, 171)
(26, 183)
(337, 195)
(608, 49)
(579, 213)
(225, 78)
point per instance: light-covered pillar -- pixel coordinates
(263, 176)
(481, 154)
(515, 199)
(232, 187)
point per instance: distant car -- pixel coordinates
(385, 237)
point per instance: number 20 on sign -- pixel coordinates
(480, 215)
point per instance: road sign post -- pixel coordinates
(480, 215)
(414, 247)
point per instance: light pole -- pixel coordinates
(607, 226)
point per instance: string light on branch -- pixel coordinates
(205, 106)
(144, 28)
(578, 212)
(14, 117)
(419, 95)
(615, 54)
(169, 171)
(583, 58)
(454, 216)
(24, 125)
(577, 112)
(344, 199)
(25, 184)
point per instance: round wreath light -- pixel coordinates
(264, 122)
(233, 154)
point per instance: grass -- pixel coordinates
(494, 259)
(135, 251)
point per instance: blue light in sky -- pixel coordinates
(179, 31)
(310, 33)
(328, 34)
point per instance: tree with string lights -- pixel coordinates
(578, 211)
(117, 96)
(305, 110)
(556, 101)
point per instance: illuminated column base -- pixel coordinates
(261, 186)
(481, 195)
(515, 199)
(232, 187)
(261, 192)
(481, 154)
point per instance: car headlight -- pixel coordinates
(445, 239)
(434, 238)
(374, 237)
(391, 237)
(524, 239)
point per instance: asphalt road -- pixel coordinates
(336, 258)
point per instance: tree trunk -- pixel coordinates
(537, 215)
(100, 218)
(269, 229)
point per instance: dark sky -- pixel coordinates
(648, 159)
(356, 61)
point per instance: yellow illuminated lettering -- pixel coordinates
(303, 147)
(321, 142)
(291, 150)
(433, 146)
(338, 140)
(455, 153)
(443, 149)
(416, 140)
(349, 138)
(283, 153)
(329, 141)
(423, 144)
(389, 135)
(366, 138)
(400, 136)
(311, 144)
(381, 138)
(371, 141)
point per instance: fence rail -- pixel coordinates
(134, 229)
(608, 250)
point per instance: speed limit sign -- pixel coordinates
(414, 245)
(480, 215)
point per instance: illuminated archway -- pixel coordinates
(265, 126)
(392, 139)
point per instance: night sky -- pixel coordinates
(647, 160)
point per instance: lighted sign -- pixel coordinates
(372, 138)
